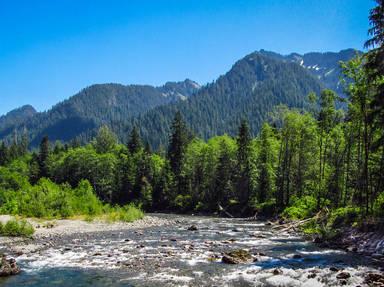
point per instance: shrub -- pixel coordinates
(49, 200)
(301, 208)
(126, 213)
(344, 216)
(15, 227)
(183, 202)
(378, 206)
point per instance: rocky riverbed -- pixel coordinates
(169, 250)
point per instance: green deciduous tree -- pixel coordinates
(105, 140)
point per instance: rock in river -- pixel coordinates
(192, 228)
(343, 275)
(237, 256)
(374, 279)
(8, 267)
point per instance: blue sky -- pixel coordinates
(51, 49)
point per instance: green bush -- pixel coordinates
(344, 216)
(311, 227)
(378, 206)
(126, 213)
(15, 227)
(49, 200)
(301, 208)
(183, 202)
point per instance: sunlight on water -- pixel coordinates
(174, 256)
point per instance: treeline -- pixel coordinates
(253, 86)
(301, 162)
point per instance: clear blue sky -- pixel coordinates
(50, 49)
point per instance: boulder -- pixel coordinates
(8, 267)
(237, 256)
(311, 275)
(192, 228)
(374, 279)
(277, 271)
(343, 275)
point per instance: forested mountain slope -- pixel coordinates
(324, 66)
(16, 117)
(250, 90)
(97, 105)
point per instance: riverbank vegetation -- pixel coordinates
(326, 156)
(15, 227)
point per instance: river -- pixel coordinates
(172, 255)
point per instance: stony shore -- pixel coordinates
(367, 243)
(187, 251)
(47, 231)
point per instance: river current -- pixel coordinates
(172, 255)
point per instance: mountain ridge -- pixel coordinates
(250, 89)
(323, 65)
(99, 104)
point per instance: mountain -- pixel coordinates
(96, 105)
(324, 66)
(16, 117)
(250, 90)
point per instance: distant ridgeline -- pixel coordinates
(252, 88)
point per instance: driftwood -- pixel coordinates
(226, 212)
(252, 218)
(295, 224)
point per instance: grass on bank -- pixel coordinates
(16, 227)
(128, 213)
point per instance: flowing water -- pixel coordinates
(174, 256)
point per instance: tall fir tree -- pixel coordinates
(24, 143)
(4, 154)
(43, 157)
(177, 144)
(134, 142)
(375, 64)
(243, 187)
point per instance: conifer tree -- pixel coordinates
(243, 187)
(375, 63)
(43, 157)
(134, 143)
(4, 155)
(177, 144)
(23, 146)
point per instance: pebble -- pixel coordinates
(343, 275)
